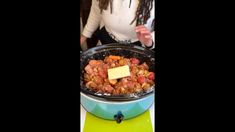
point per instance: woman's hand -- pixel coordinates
(144, 35)
(82, 39)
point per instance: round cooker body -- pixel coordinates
(112, 110)
(109, 107)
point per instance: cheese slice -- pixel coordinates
(118, 72)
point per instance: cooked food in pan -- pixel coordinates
(96, 76)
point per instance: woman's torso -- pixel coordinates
(119, 24)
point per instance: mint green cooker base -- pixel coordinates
(108, 109)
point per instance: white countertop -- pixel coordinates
(83, 115)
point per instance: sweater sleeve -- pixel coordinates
(150, 27)
(93, 20)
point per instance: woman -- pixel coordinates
(122, 21)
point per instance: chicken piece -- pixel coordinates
(151, 76)
(87, 77)
(134, 69)
(97, 80)
(108, 89)
(151, 82)
(145, 86)
(146, 73)
(141, 79)
(144, 66)
(134, 61)
(137, 90)
(121, 62)
(141, 72)
(89, 69)
(91, 84)
(130, 84)
(102, 74)
(113, 81)
(113, 65)
(94, 62)
(127, 61)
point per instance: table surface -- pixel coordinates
(83, 116)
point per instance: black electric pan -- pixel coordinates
(126, 50)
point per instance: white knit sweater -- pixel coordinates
(117, 23)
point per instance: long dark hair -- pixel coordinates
(142, 12)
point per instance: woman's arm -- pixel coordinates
(92, 22)
(146, 33)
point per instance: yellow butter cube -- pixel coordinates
(118, 72)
